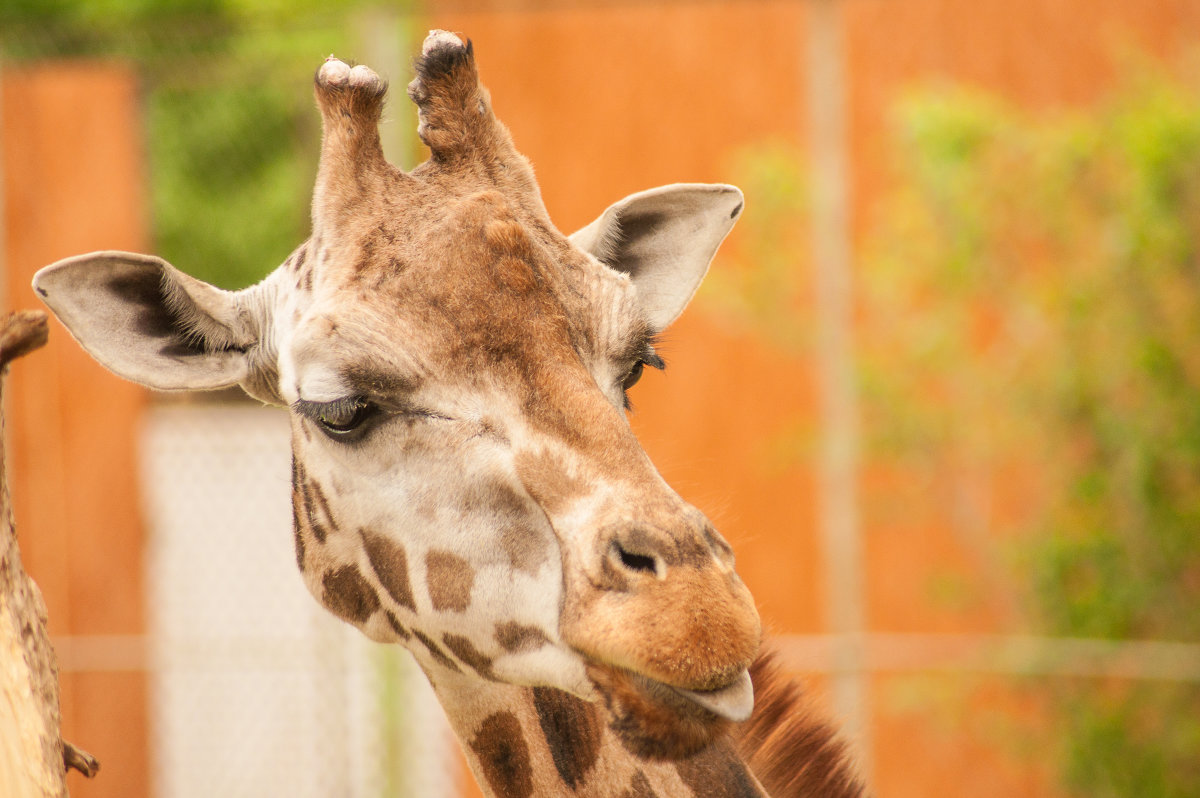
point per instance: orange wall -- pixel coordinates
(608, 100)
(72, 182)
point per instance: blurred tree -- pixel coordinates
(232, 136)
(1035, 299)
(1029, 323)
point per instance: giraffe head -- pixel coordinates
(465, 479)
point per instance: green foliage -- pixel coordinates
(232, 134)
(231, 183)
(1030, 307)
(1036, 299)
(1045, 275)
(764, 288)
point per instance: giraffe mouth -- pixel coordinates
(733, 702)
(659, 721)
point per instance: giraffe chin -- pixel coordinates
(654, 720)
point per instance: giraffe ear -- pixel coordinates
(664, 240)
(148, 322)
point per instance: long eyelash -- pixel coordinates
(338, 407)
(645, 349)
(651, 358)
(650, 349)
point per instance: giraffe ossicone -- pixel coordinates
(465, 480)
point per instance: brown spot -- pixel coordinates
(366, 256)
(450, 579)
(436, 652)
(525, 547)
(313, 508)
(397, 627)
(503, 755)
(572, 732)
(717, 772)
(639, 788)
(348, 595)
(322, 505)
(513, 636)
(506, 234)
(515, 275)
(314, 523)
(548, 482)
(299, 541)
(465, 650)
(390, 565)
(651, 720)
(297, 533)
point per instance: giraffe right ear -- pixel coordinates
(663, 239)
(148, 322)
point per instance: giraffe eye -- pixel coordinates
(345, 422)
(341, 419)
(650, 359)
(633, 376)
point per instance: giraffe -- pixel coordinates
(465, 480)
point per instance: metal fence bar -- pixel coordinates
(1018, 655)
(1015, 655)
(840, 533)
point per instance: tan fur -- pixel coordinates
(465, 480)
(490, 292)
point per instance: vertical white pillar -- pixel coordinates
(839, 528)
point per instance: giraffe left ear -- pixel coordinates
(150, 323)
(664, 240)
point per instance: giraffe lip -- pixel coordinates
(656, 720)
(733, 702)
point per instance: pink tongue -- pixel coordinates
(734, 702)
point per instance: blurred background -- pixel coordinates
(941, 389)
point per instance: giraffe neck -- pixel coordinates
(527, 741)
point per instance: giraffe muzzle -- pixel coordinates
(669, 608)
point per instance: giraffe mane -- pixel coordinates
(788, 745)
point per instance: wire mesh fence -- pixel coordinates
(255, 689)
